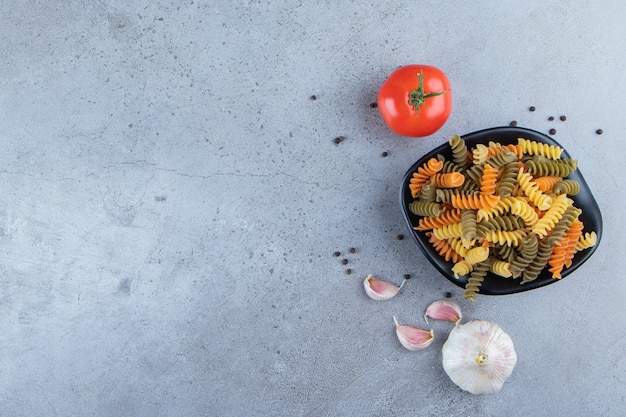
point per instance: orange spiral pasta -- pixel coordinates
(474, 201)
(488, 180)
(557, 258)
(447, 217)
(443, 248)
(546, 183)
(493, 150)
(423, 174)
(574, 233)
(450, 180)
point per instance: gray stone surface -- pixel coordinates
(172, 199)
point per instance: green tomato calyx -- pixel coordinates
(417, 97)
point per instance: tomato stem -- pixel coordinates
(417, 97)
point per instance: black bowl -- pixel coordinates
(493, 284)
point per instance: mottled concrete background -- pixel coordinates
(171, 199)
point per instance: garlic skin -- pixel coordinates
(380, 290)
(444, 310)
(413, 338)
(479, 356)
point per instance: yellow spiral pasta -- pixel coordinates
(531, 147)
(501, 268)
(552, 216)
(534, 194)
(449, 231)
(460, 245)
(476, 255)
(480, 154)
(462, 268)
(504, 205)
(586, 241)
(505, 237)
(525, 211)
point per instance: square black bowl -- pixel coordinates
(493, 284)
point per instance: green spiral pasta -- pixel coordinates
(504, 222)
(444, 195)
(508, 179)
(567, 186)
(501, 159)
(449, 166)
(475, 281)
(504, 252)
(425, 208)
(428, 192)
(527, 252)
(559, 167)
(459, 150)
(534, 268)
(475, 173)
(468, 223)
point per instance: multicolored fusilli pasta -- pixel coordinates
(505, 210)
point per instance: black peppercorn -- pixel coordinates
(345, 262)
(313, 97)
(400, 237)
(407, 276)
(552, 131)
(532, 108)
(384, 154)
(337, 254)
(513, 123)
(551, 118)
(448, 294)
(339, 139)
(563, 118)
(599, 131)
(348, 271)
(352, 250)
(373, 105)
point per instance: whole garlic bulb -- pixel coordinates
(479, 356)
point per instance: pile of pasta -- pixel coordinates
(504, 209)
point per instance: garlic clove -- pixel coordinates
(413, 338)
(444, 310)
(380, 290)
(479, 356)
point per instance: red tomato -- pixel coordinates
(415, 100)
